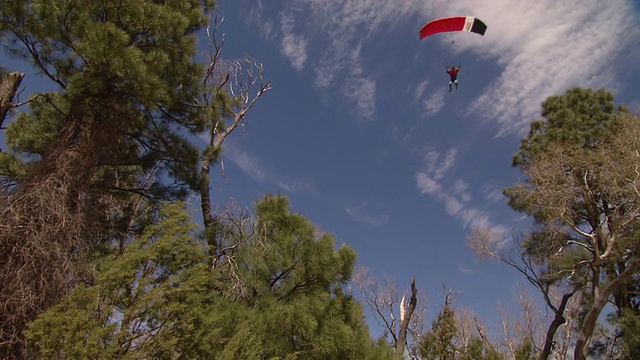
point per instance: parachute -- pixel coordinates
(457, 23)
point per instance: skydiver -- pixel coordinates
(453, 76)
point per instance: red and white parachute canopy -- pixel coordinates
(456, 23)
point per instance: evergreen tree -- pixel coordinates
(478, 350)
(525, 351)
(84, 165)
(162, 299)
(629, 325)
(154, 301)
(294, 280)
(441, 342)
(580, 118)
(582, 191)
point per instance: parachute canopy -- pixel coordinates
(457, 23)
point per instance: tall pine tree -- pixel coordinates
(279, 296)
(581, 188)
(85, 162)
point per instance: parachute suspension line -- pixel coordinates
(448, 39)
(449, 67)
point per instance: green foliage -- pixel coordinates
(34, 133)
(295, 282)
(581, 192)
(127, 77)
(153, 301)
(110, 140)
(440, 343)
(525, 351)
(162, 299)
(629, 323)
(478, 350)
(305, 263)
(580, 117)
(568, 160)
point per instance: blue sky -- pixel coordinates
(360, 132)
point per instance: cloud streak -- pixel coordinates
(343, 27)
(293, 47)
(535, 49)
(368, 219)
(544, 48)
(540, 48)
(455, 194)
(250, 164)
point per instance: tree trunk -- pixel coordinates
(210, 223)
(558, 320)
(8, 87)
(404, 322)
(599, 301)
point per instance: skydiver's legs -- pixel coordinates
(450, 82)
(456, 82)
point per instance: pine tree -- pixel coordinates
(154, 301)
(478, 350)
(90, 159)
(629, 325)
(441, 342)
(582, 190)
(294, 280)
(280, 296)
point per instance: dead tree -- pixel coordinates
(230, 89)
(384, 302)
(405, 316)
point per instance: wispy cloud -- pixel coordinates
(342, 27)
(362, 92)
(293, 46)
(432, 101)
(257, 18)
(433, 104)
(543, 48)
(297, 186)
(245, 161)
(368, 219)
(433, 180)
(540, 48)
(494, 194)
(251, 165)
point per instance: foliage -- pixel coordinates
(449, 340)
(628, 323)
(525, 351)
(162, 299)
(478, 350)
(153, 301)
(582, 189)
(87, 164)
(580, 118)
(294, 279)
(441, 342)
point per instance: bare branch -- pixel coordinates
(226, 100)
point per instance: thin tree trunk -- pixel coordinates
(558, 320)
(404, 322)
(8, 87)
(600, 300)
